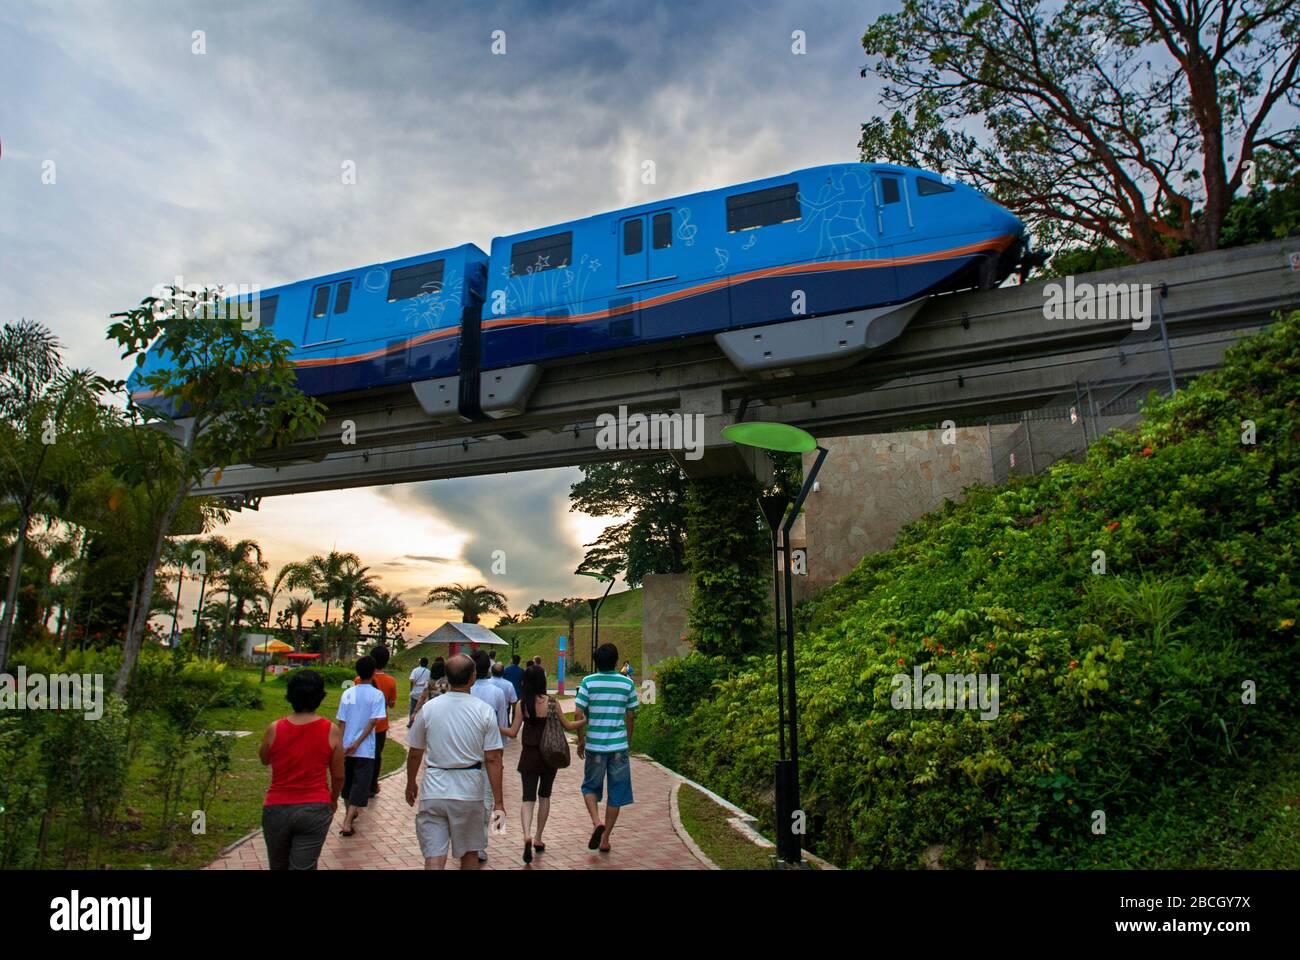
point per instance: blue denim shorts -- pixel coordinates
(618, 767)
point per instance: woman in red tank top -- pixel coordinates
(303, 750)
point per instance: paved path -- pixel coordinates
(643, 839)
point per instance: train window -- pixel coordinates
(542, 253)
(889, 190)
(322, 304)
(632, 236)
(407, 282)
(663, 230)
(266, 311)
(343, 297)
(926, 187)
(762, 208)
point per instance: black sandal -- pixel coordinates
(528, 851)
(539, 847)
(594, 842)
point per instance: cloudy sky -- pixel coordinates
(225, 166)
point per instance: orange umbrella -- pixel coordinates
(273, 646)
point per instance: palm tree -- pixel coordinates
(239, 575)
(353, 584)
(320, 575)
(471, 601)
(290, 577)
(383, 609)
(213, 549)
(179, 553)
(247, 582)
(297, 608)
(35, 391)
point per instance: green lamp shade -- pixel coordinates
(771, 436)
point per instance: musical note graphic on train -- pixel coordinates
(723, 258)
(753, 239)
(687, 231)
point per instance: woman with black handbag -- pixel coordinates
(545, 750)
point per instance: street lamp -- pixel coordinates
(784, 438)
(595, 612)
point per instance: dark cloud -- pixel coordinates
(522, 514)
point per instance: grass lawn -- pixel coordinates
(722, 843)
(237, 808)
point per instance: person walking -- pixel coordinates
(512, 695)
(437, 683)
(514, 674)
(490, 693)
(387, 685)
(302, 750)
(607, 700)
(538, 776)
(454, 742)
(419, 680)
(360, 708)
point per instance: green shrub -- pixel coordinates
(683, 682)
(1127, 694)
(333, 676)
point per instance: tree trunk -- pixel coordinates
(180, 582)
(76, 593)
(135, 639)
(198, 613)
(130, 611)
(225, 627)
(11, 594)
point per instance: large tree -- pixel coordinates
(1129, 122)
(651, 537)
(229, 391)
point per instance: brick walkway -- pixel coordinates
(643, 838)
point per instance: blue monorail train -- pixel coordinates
(831, 261)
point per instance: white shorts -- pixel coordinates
(455, 823)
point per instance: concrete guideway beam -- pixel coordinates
(964, 355)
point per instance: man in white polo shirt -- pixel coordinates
(456, 738)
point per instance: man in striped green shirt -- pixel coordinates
(608, 701)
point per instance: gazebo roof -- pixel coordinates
(454, 632)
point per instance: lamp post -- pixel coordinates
(774, 507)
(595, 612)
(785, 439)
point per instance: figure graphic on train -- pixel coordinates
(840, 213)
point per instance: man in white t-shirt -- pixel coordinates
(360, 706)
(419, 680)
(455, 739)
(491, 694)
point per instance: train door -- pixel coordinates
(318, 315)
(632, 260)
(892, 214)
(661, 245)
